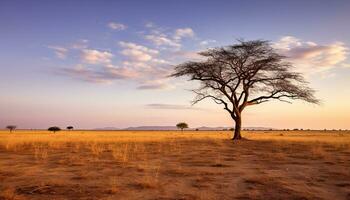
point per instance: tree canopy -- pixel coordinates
(182, 125)
(11, 127)
(54, 129)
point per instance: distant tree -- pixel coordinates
(54, 129)
(244, 74)
(197, 129)
(70, 127)
(11, 127)
(182, 125)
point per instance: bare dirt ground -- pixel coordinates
(174, 165)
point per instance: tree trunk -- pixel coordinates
(237, 131)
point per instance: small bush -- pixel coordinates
(54, 129)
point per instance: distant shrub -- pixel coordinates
(54, 129)
(182, 125)
(296, 129)
(197, 129)
(70, 127)
(11, 127)
(232, 129)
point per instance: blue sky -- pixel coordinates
(104, 63)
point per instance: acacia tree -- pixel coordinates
(244, 74)
(70, 127)
(182, 126)
(11, 127)
(54, 129)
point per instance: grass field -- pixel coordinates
(174, 165)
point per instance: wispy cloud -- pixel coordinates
(137, 52)
(152, 69)
(116, 26)
(311, 57)
(136, 62)
(183, 33)
(80, 44)
(163, 38)
(98, 75)
(149, 25)
(60, 52)
(207, 42)
(93, 56)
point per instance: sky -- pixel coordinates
(95, 64)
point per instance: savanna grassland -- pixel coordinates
(174, 165)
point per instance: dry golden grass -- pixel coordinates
(174, 165)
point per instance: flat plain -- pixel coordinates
(174, 165)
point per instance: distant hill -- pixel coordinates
(106, 129)
(259, 128)
(170, 128)
(206, 128)
(151, 128)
